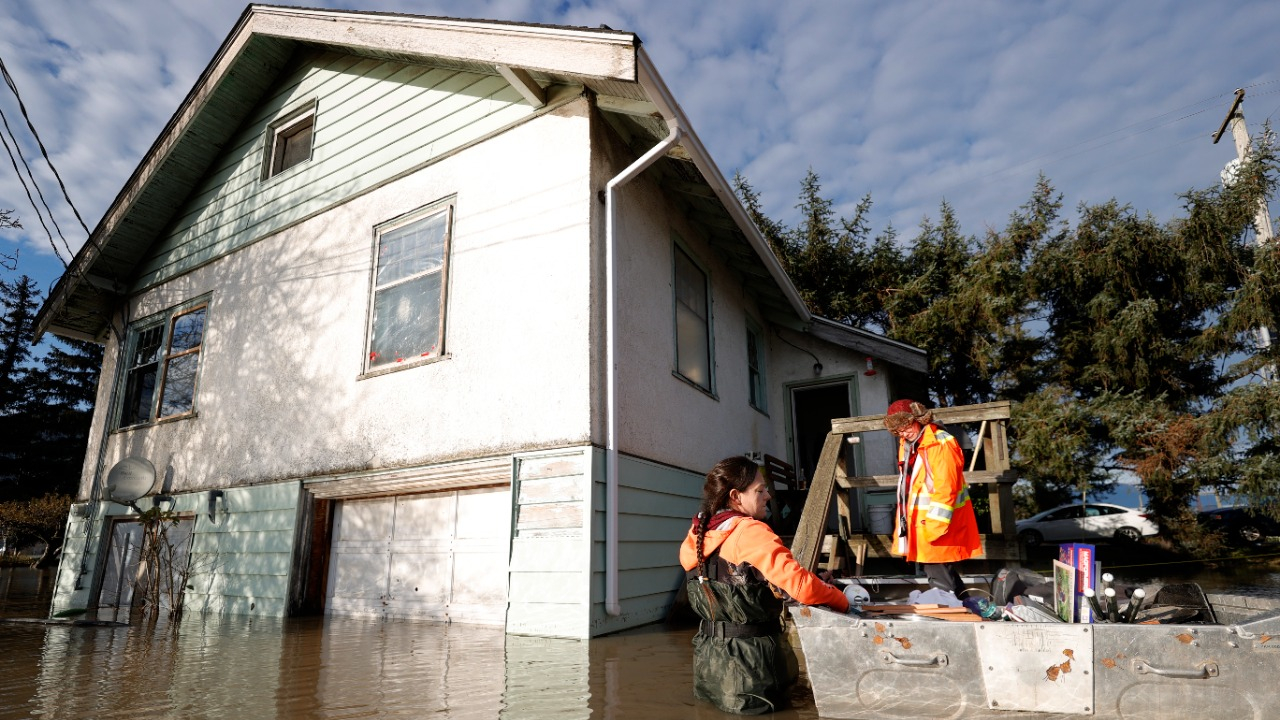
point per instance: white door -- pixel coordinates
(124, 549)
(441, 556)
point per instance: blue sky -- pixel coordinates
(912, 102)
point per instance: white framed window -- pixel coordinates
(692, 321)
(756, 378)
(410, 284)
(290, 140)
(162, 365)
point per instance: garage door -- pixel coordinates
(441, 556)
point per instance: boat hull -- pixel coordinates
(882, 669)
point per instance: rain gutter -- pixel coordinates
(611, 604)
(680, 133)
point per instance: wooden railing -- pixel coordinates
(991, 445)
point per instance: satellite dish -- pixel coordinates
(130, 479)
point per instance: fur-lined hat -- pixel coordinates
(904, 412)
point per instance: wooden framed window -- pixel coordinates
(290, 141)
(692, 321)
(163, 365)
(410, 284)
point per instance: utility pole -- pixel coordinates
(1261, 220)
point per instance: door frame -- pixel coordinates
(850, 381)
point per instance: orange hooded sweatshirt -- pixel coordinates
(752, 541)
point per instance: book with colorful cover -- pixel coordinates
(1064, 591)
(1084, 558)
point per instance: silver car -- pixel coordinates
(1086, 521)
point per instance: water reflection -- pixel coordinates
(223, 666)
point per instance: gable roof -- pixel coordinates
(630, 94)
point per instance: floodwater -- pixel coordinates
(328, 668)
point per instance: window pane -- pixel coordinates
(691, 286)
(292, 145)
(692, 352)
(693, 347)
(755, 386)
(413, 249)
(406, 321)
(146, 349)
(179, 385)
(188, 331)
(140, 388)
(297, 146)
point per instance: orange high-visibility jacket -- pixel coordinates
(752, 541)
(933, 499)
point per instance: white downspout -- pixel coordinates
(611, 604)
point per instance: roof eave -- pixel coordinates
(582, 52)
(873, 344)
(661, 96)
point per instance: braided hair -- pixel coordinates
(733, 473)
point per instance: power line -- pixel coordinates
(8, 79)
(32, 200)
(35, 185)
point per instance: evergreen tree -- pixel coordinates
(46, 401)
(59, 416)
(18, 305)
(19, 301)
(774, 232)
(1129, 344)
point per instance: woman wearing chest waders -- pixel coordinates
(731, 558)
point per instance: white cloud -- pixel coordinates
(910, 101)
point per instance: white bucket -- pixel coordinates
(881, 519)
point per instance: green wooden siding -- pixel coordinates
(375, 120)
(655, 504)
(549, 546)
(241, 561)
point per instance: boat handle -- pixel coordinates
(938, 660)
(1201, 671)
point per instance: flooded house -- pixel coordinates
(436, 318)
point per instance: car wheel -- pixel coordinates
(1031, 538)
(1129, 534)
(1249, 533)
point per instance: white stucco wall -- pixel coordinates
(793, 367)
(280, 393)
(661, 416)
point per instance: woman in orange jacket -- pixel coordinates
(935, 526)
(732, 562)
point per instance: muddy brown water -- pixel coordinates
(329, 668)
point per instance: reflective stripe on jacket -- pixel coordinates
(934, 502)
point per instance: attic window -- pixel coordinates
(291, 140)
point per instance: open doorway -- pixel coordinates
(812, 409)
